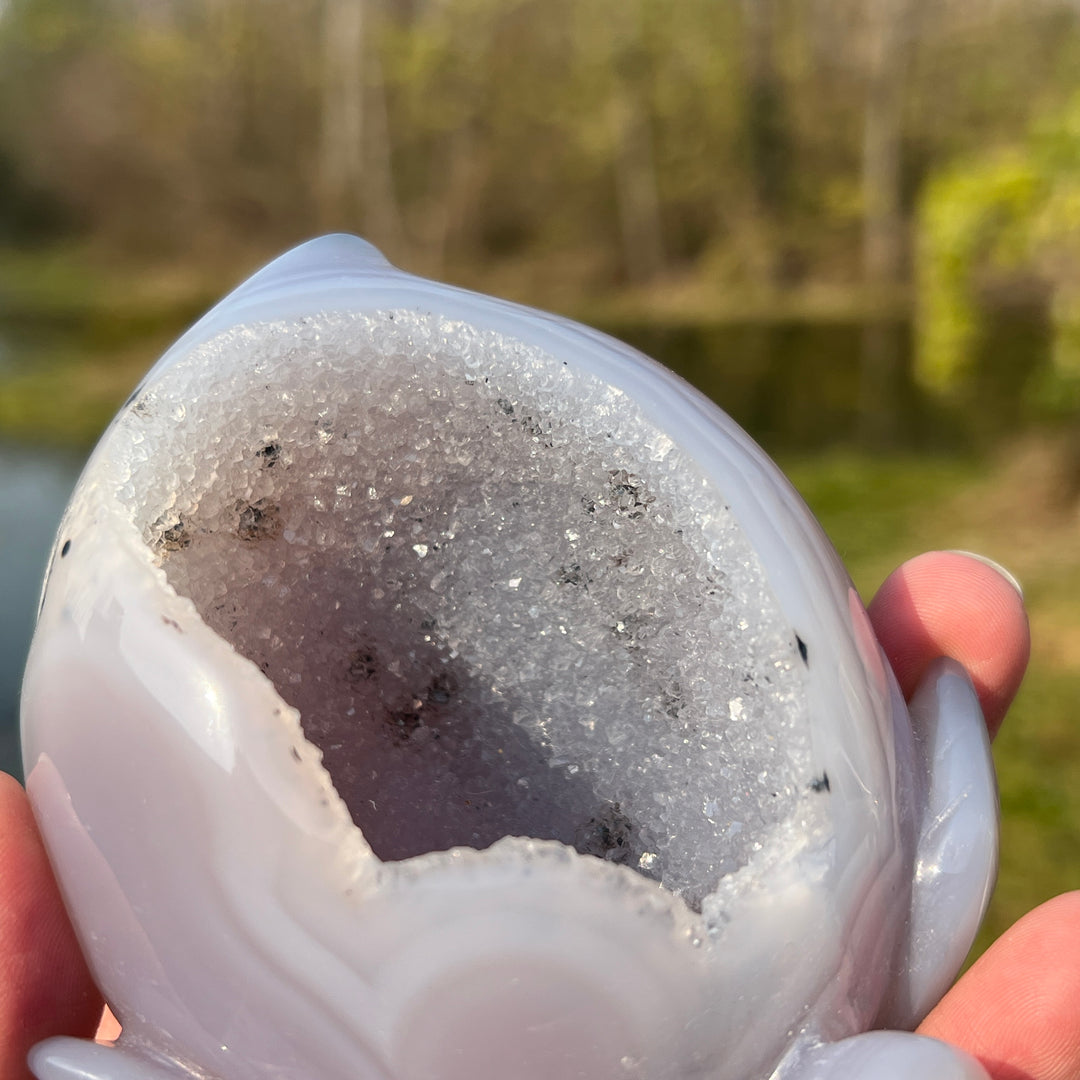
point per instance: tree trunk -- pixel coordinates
(766, 128)
(382, 214)
(356, 179)
(637, 197)
(883, 224)
(767, 138)
(342, 126)
(883, 221)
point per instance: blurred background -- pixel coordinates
(854, 223)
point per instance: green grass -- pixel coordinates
(880, 510)
(82, 333)
(1039, 779)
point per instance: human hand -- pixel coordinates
(45, 987)
(1015, 1009)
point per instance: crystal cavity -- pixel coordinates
(504, 602)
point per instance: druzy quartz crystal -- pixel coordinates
(428, 688)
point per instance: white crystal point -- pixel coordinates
(64, 1058)
(887, 1055)
(956, 863)
(430, 688)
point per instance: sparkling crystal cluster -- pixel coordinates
(503, 602)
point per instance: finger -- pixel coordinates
(1016, 1009)
(945, 603)
(108, 1029)
(45, 987)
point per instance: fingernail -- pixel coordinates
(1009, 577)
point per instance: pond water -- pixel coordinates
(800, 386)
(34, 488)
(796, 386)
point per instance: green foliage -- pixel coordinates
(971, 216)
(725, 141)
(1001, 219)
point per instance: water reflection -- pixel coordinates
(34, 488)
(802, 386)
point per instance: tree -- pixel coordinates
(356, 174)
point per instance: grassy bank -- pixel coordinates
(77, 332)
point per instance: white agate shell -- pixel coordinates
(617, 783)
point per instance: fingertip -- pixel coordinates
(1015, 1009)
(45, 987)
(108, 1029)
(949, 603)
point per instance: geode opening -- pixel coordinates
(503, 601)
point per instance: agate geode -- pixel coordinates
(426, 688)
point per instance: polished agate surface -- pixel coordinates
(428, 688)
